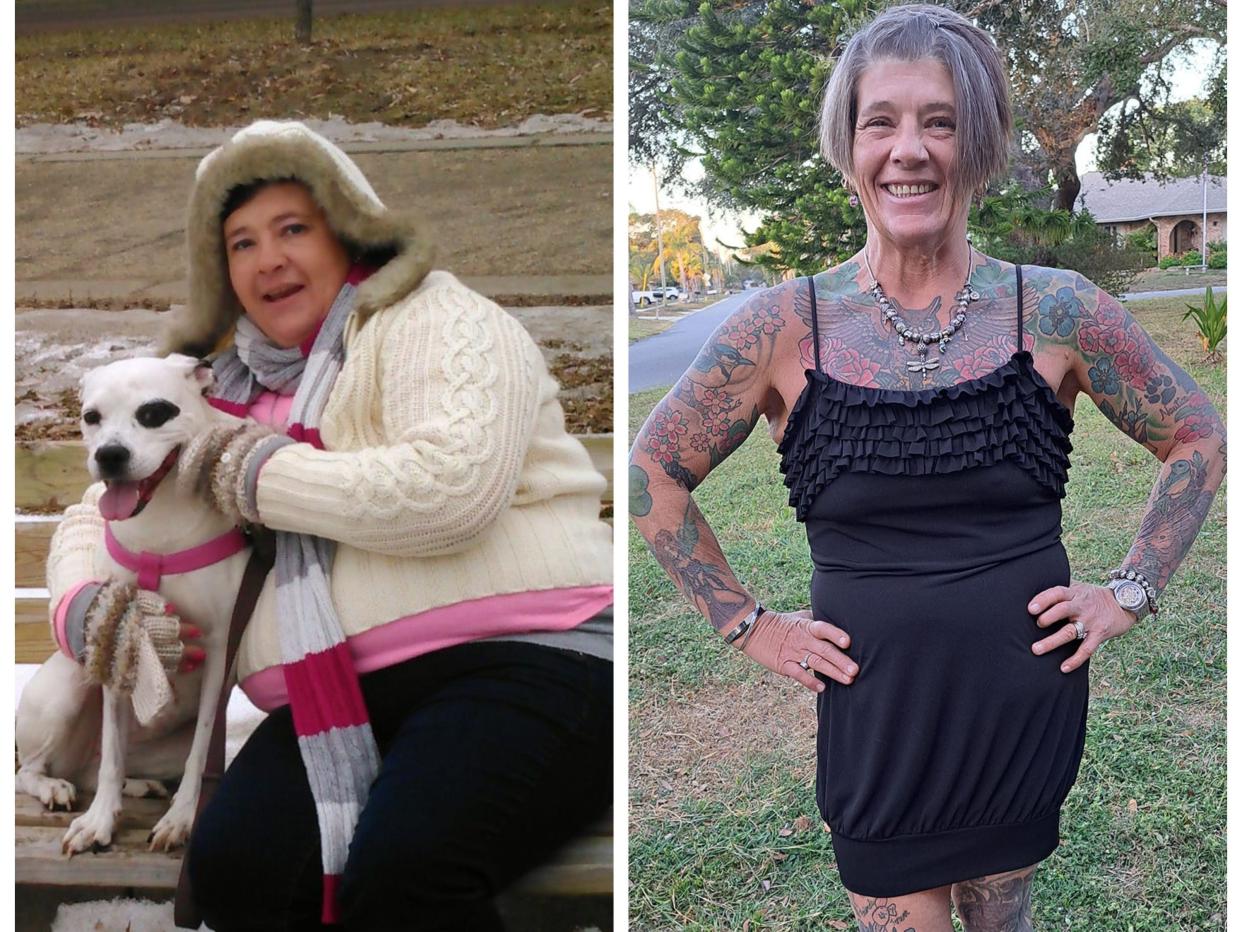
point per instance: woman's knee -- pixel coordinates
(243, 878)
(926, 911)
(219, 868)
(996, 903)
(384, 883)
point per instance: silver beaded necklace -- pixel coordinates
(923, 340)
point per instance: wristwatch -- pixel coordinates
(1131, 596)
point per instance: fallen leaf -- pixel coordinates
(779, 855)
(785, 832)
(1132, 805)
(767, 885)
(802, 823)
(838, 924)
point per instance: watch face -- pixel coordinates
(1130, 595)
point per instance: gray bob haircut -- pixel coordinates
(915, 32)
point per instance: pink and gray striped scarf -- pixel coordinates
(329, 715)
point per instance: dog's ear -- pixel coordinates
(83, 382)
(199, 370)
(204, 375)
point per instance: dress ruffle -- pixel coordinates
(1008, 415)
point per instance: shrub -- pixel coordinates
(1010, 228)
(1211, 321)
(1218, 260)
(1192, 257)
(1169, 261)
(1143, 240)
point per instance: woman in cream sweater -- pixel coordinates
(439, 554)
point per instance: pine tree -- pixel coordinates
(745, 84)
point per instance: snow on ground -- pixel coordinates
(81, 136)
(49, 371)
(119, 915)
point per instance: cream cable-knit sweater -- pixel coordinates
(448, 474)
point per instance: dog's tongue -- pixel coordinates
(119, 501)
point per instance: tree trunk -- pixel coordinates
(304, 22)
(1068, 187)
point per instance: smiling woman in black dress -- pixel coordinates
(922, 394)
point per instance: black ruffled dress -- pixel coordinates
(933, 517)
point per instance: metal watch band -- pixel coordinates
(744, 625)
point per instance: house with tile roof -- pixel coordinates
(1174, 207)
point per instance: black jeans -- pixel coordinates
(494, 755)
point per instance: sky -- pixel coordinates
(726, 226)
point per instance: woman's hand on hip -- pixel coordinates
(1095, 608)
(785, 641)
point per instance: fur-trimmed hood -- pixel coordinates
(270, 150)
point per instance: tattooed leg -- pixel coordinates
(926, 911)
(996, 903)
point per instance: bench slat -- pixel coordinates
(136, 813)
(50, 475)
(30, 546)
(32, 637)
(582, 868)
(128, 864)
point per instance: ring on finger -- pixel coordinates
(805, 663)
(1080, 630)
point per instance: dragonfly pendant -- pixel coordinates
(922, 364)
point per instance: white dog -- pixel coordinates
(136, 415)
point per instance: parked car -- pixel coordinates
(669, 293)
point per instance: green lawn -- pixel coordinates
(724, 832)
(1173, 279)
(641, 329)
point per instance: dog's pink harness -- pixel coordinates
(152, 567)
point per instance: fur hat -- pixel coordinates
(280, 150)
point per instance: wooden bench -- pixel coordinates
(582, 868)
(50, 477)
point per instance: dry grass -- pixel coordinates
(688, 744)
(488, 67)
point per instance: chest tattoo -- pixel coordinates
(857, 346)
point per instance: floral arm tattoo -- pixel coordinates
(1150, 399)
(707, 415)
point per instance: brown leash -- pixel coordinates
(185, 911)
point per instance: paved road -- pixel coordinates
(1175, 293)
(661, 359)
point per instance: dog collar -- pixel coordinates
(152, 567)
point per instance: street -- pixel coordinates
(660, 359)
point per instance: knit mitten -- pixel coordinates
(132, 644)
(222, 464)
